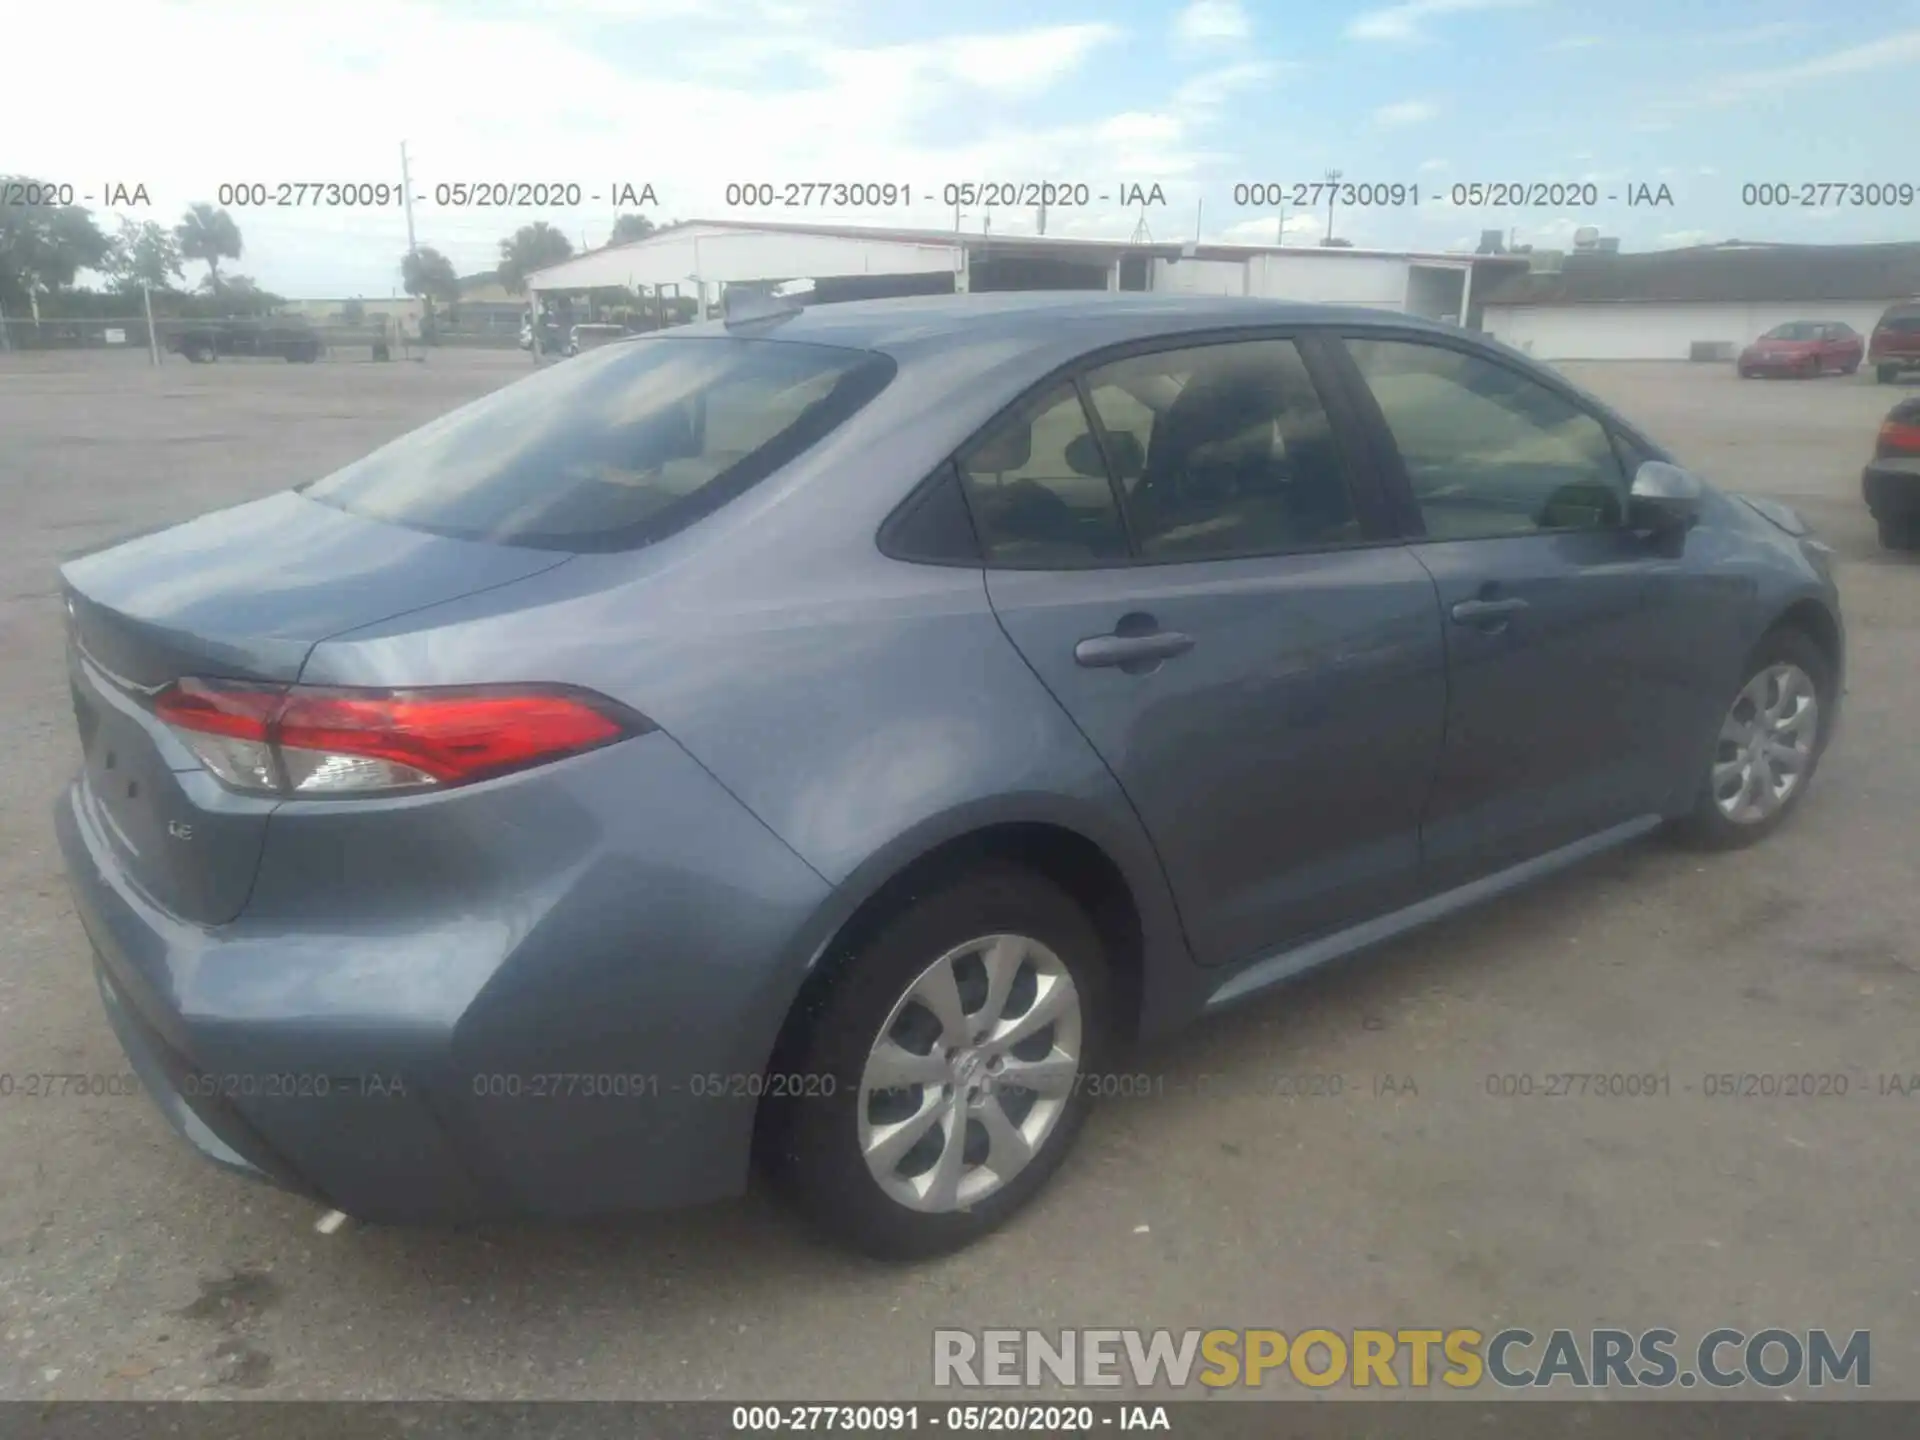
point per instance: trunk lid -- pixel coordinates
(245, 594)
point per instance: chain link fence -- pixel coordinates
(264, 338)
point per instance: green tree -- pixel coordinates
(629, 228)
(427, 274)
(240, 295)
(42, 248)
(530, 248)
(205, 233)
(143, 254)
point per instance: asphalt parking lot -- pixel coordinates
(129, 1268)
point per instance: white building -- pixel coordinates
(1704, 302)
(699, 258)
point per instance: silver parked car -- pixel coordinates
(829, 736)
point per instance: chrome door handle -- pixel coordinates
(1100, 650)
(1471, 612)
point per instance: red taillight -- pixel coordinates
(1898, 437)
(314, 741)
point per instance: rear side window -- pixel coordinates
(1039, 488)
(620, 447)
(1224, 450)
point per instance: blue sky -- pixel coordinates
(1700, 96)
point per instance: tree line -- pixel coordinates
(44, 249)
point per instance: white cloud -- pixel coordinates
(1212, 87)
(1687, 237)
(1404, 112)
(1901, 48)
(1205, 22)
(1028, 61)
(771, 90)
(1577, 42)
(1430, 166)
(1761, 34)
(1403, 22)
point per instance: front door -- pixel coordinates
(1568, 651)
(1176, 549)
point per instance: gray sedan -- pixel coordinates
(828, 737)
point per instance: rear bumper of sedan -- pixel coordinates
(569, 1049)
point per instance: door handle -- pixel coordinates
(1472, 612)
(1148, 649)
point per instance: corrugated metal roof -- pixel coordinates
(997, 240)
(1731, 273)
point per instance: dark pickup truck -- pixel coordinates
(205, 340)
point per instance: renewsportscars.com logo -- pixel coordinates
(1459, 1358)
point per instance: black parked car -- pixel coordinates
(1892, 482)
(208, 339)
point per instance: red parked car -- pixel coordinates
(1896, 342)
(1805, 348)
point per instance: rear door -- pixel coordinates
(1181, 547)
(1570, 649)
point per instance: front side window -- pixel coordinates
(1224, 450)
(1489, 451)
(1039, 488)
(621, 446)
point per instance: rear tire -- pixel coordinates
(871, 1024)
(1713, 823)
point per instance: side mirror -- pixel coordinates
(1664, 498)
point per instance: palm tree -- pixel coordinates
(208, 234)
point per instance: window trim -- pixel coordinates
(1392, 466)
(1370, 501)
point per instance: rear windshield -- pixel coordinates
(620, 447)
(1793, 330)
(1907, 322)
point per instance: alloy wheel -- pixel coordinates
(970, 1073)
(1766, 744)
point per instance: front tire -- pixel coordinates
(1768, 746)
(948, 1056)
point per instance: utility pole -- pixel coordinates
(1199, 209)
(1043, 215)
(153, 344)
(1281, 237)
(1333, 182)
(406, 195)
